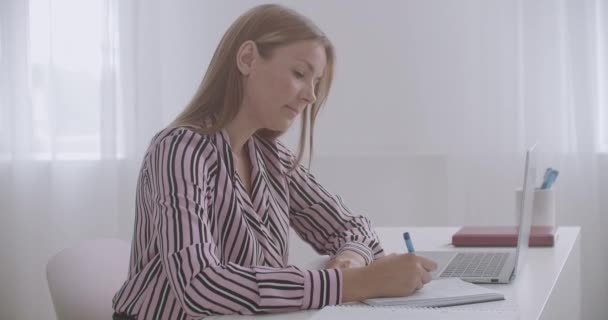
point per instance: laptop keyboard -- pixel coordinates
(475, 264)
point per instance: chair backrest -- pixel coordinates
(83, 279)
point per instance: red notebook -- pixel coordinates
(501, 236)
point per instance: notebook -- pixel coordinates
(357, 312)
(501, 236)
(442, 293)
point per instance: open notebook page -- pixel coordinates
(442, 292)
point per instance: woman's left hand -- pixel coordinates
(346, 259)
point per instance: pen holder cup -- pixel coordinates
(543, 208)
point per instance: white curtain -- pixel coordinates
(69, 131)
(85, 84)
(565, 88)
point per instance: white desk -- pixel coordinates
(548, 287)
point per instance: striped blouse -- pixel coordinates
(203, 246)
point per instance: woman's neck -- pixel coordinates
(239, 131)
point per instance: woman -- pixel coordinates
(218, 192)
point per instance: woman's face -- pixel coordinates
(277, 89)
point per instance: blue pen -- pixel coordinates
(552, 178)
(408, 242)
(546, 178)
(549, 178)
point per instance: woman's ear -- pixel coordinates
(245, 57)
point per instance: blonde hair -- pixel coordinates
(220, 94)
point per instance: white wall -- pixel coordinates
(409, 76)
(430, 89)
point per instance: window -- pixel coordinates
(65, 68)
(67, 98)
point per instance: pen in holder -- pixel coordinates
(543, 207)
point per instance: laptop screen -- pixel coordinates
(525, 209)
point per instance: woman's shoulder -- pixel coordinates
(179, 133)
(182, 138)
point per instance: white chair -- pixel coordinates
(83, 279)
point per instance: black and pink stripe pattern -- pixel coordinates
(203, 246)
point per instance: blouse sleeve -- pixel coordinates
(324, 221)
(181, 167)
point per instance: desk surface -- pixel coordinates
(528, 293)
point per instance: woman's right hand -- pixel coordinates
(395, 275)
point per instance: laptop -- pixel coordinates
(492, 266)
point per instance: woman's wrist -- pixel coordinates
(356, 285)
(346, 259)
